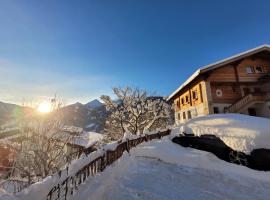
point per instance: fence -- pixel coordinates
(13, 185)
(67, 187)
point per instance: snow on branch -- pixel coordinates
(135, 111)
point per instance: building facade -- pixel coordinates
(239, 84)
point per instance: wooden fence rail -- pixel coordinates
(67, 188)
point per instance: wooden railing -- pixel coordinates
(253, 97)
(67, 187)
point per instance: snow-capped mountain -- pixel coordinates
(94, 104)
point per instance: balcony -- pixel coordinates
(247, 100)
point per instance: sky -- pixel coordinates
(80, 49)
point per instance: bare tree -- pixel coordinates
(41, 151)
(134, 111)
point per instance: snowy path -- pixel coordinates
(174, 172)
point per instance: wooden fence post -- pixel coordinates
(159, 135)
(127, 146)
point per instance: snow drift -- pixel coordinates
(240, 132)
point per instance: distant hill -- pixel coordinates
(91, 116)
(9, 112)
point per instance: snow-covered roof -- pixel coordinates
(219, 64)
(72, 129)
(87, 139)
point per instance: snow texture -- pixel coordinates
(87, 139)
(164, 170)
(240, 132)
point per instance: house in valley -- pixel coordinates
(238, 84)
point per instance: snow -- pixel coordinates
(161, 169)
(6, 196)
(90, 125)
(72, 129)
(240, 132)
(87, 139)
(40, 190)
(94, 104)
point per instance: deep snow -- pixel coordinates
(240, 132)
(164, 170)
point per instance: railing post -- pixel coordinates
(127, 145)
(146, 137)
(65, 182)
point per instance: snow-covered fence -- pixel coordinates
(13, 185)
(70, 184)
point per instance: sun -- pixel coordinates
(44, 107)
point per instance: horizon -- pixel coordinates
(79, 51)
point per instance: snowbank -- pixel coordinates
(6, 196)
(161, 169)
(240, 132)
(41, 189)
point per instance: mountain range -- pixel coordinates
(9, 112)
(91, 116)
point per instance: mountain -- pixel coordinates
(94, 104)
(10, 112)
(91, 116)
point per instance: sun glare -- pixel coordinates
(44, 108)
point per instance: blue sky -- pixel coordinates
(81, 49)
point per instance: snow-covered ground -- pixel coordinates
(240, 132)
(163, 170)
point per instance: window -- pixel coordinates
(182, 100)
(179, 116)
(249, 70)
(178, 104)
(194, 95)
(189, 114)
(233, 89)
(219, 92)
(187, 99)
(216, 110)
(184, 115)
(259, 69)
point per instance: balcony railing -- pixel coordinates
(248, 99)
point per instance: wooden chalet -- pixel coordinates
(238, 84)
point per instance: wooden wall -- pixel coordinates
(228, 73)
(230, 93)
(231, 79)
(188, 94)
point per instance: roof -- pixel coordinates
(218, 65)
